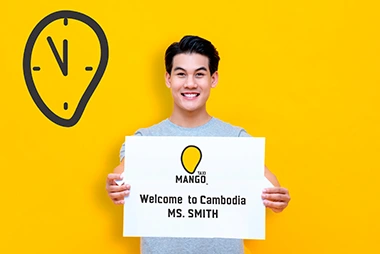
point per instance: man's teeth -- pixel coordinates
(190, 95)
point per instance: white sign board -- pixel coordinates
(195, 187)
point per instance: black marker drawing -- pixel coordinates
(63, 63)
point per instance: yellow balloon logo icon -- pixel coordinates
(191, 157)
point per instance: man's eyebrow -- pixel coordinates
(182, 69)
(179, 68)
(201, 69)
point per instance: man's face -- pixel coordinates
(190, 82)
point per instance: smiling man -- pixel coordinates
(191, 73)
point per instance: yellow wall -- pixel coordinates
(304, 74)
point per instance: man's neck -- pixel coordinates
(189, 119)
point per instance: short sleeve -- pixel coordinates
(122, 149)
(244, 134)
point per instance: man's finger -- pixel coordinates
(117, 188)
(275, 197)
(279, 190)
(113, 176)
(275, 205)
(118, 195)
(118, 202)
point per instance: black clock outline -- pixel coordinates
(65, 14)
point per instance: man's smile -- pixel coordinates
(190, 95)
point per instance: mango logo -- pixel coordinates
(64, 60)
(190, 158)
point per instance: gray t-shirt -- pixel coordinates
(160, 245)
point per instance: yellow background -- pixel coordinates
(303, 74)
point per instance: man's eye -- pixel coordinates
(200, 75)
(181, 74)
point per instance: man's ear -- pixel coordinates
(167, 80)
(214, 79)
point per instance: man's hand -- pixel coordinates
(116, 192)
(276, 198)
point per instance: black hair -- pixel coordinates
(192, 44)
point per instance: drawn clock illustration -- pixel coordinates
(65, 56)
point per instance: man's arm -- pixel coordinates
(271, 177)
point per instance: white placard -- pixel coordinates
(221, 198)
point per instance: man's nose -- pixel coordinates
(191, 83)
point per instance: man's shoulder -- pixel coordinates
(220, 122)
(226, 128)
(152, 130)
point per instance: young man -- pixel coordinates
(191, 72)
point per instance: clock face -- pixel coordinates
(64, 60)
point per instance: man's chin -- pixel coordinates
(190, 110)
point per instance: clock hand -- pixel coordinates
(63, 65)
